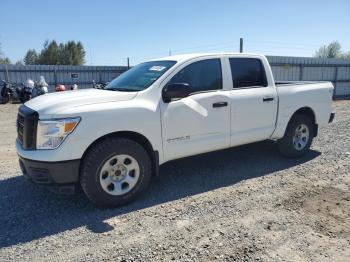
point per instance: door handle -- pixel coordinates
(220, 104)
(267, 99)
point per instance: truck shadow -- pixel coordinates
(29, 213)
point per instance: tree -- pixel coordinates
(70, 53)
(19, 62)
(62, 54)
(80, 54)
(3, 59)
(345, 55)
(31, 57)
(49, 55)
(333, 50)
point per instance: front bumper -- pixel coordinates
(50, 173)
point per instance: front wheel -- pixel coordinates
(115, 171)
(298, 137)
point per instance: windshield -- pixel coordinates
(140, 77)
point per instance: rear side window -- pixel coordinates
(247, 72)
(203, 75)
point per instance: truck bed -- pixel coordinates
(292, 95)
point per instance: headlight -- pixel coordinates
(51, 133)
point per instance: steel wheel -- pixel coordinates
(301, 137)
(119, 174)
(115, 171)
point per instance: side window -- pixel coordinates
(247, 72)
(201, 76)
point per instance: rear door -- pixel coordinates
(254, 101)
(200, 122)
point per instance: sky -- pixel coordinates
(111, 30)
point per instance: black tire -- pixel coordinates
(27, 98)
(95, 159)
(286, 146)
(22, 99)
(5, 99)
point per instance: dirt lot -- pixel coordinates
(244, 204)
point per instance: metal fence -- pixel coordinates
(67, 75)
(336, 71)
(283, 68)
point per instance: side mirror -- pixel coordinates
(175, 91)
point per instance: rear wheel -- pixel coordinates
(298, 136)
(115, 171)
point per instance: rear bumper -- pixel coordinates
(50, 173)
(331, 117)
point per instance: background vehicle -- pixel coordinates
(60, 88)
(74, 87)
(112, 140)
(13, 93)
(99, 85)
(40, 88)
(7, 92)
(25, 92)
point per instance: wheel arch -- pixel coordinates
(307, 111)
(137, 137)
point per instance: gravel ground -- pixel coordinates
(246, 203)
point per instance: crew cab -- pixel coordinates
(113, 140)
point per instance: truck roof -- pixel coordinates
(185, 57)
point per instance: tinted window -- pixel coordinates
(201, 76)
(247, 72)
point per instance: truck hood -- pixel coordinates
(56, 102)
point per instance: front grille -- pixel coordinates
(27, 121)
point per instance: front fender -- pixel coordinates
(99, 120)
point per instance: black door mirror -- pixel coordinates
(175, 91)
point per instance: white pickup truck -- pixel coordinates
(113, 140)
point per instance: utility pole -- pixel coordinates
(128, 62)
(241, 45)
(169, 53)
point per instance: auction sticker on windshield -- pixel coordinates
(157, 68)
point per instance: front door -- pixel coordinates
(200, 122)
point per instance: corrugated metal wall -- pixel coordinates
(336, 71)
(54, 75)
(283, 68)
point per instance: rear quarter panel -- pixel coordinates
(316, 96)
